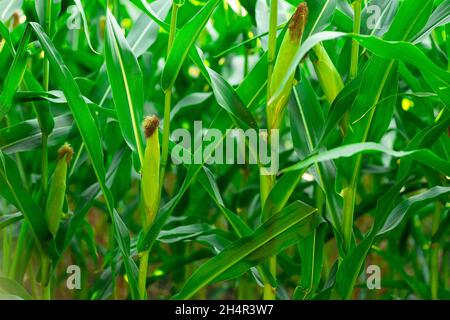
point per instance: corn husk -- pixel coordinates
(57, 189)
(150, 171)
(288, 49)
(329, 78)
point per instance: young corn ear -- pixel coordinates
(289, 47)
(329, 78)
(150, 171)
(57, 190)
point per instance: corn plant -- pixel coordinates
(109, 191)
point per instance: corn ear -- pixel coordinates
(57, 190)
(150, 171)
(289, 47)
(329, 77)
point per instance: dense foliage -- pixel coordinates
(94, 206)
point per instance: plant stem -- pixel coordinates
(45, 85)
(143, 268)
(167, 104)
(46, 268)
(434, 254)
(447, 38)
(268, 181)
(19, 250)
(143, 265)
(445, 269)
(44, 167)
(349, 194)
(6, 251)
(355, 44)
(46, 293)
(33, 284)
(349, 197)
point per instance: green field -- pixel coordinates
(225, 149)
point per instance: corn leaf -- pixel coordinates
(183, 43)
(127, 85)
(290, 217)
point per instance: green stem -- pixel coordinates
(143, 265)
(434, 254)
(46, 271)
(167, 104)
(143, 268)
(46, 264)
(46, 293)
(349, 197)
(44, 165)
(446, 269)
(272, 45)
(116, 4)
(19, 251)
(33, 284)
(447, 38)
(6, 251)
(267, 182)
(349, 194)
(45, 85)
(355, 44)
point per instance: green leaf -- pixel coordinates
(414, 283)
(26, 135)
(412, 203)
(145, 30)
(411, 16)
(424, 156)
(85, 25)
(351, 265)
(127, 85)
(407, 53)
(290, 217)
(183, 43)
(8, 219)
(147, 8)
(4, 32)
(307, 122)
(43, 113)
(227, 98)
(248, 91)
(311, 254)
(85, 200)
(14, 75)
(440, 17)
(13, 189)
(320, 14)
(57, 97)
(91, 138)
(11, 289)
(41, 10)
(294, 235)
